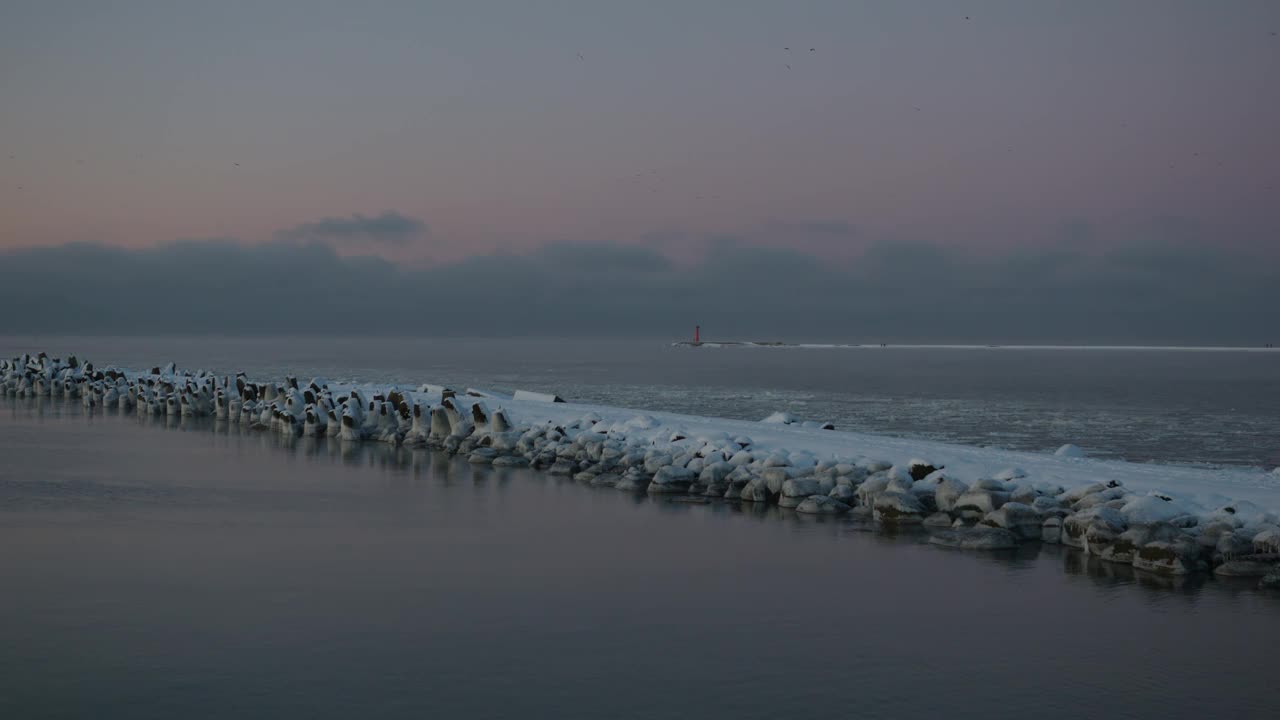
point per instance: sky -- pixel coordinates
(809, 141)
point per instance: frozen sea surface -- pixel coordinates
(1169, 405)
(157, 569)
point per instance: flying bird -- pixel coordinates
(580, 57)
(788, 67)
(813, 49)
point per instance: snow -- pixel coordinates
(527, 396)
(1070, 451)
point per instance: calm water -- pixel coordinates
(156, 570)
(1182, 407)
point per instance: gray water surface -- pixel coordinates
(155, 569)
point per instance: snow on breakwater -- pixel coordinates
(1175, 520)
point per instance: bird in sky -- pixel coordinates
(580, 57)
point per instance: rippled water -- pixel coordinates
(159, 570)
(1140, 405)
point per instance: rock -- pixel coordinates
(755, 491)
(1051, 531)
(715, 473)
(895, 508)
(563, 466)
(1076, 494)
(1046, 505)
(975, 538)
(1024, 493)
(671, 479)
(1211, 533)
(510, 461)
(1267, 541)
(793, 492)
(1244, 568)
(1168, 558)
(843, 493)
(1232, 545)
(821, 505)
(946, 492)
(1075, 526)
(870, 487)
(481, 458)
(920, 469)
(607, 479)
(1151, 509)
(633, 480)
(938, 520)
(1271, 581)
(653, 462)
(774, 477)
(976, 503)
(1070, 451)
(586, 476)
(1018, 519)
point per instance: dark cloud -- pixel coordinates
(828, 228)
(389, 229)
(1139, 292)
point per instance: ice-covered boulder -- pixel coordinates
(844, 493)
(937, 520)
(755, 491)
(1178, 557)
(1070, 451)
(1267, 542)
(946, 491)
(1271, 581)
(563, 467)
(897, 508)
(633, 480)
(1245, 567)
(1151, 509)
(793, 492)
(1051, 530)
(1046, 505)
(510, 461)
(1019, 519)
(976, 503)
(821, 505)
(1075, 526)
(671, 479)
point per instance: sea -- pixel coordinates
(155, 568)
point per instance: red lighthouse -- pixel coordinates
(697, 334)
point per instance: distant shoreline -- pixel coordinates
(918, 346)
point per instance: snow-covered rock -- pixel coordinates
(821, 505)
(793, 492)
(897, 508)
(1070, 451)
(1017, 518)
